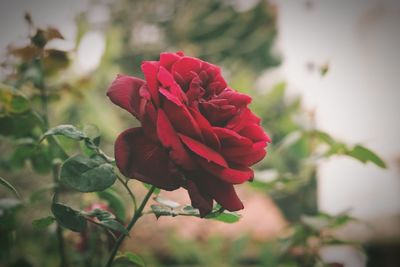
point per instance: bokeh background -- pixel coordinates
(312, 67)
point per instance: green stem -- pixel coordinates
(104, 155)
(59, 230)
(56, 166)
(136, 216)
(125, 184)
(43, 96)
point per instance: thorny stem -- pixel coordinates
(138, 213)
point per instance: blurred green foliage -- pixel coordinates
(216, 31)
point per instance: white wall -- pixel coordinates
(357, 101)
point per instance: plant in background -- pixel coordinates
(24, 117)
(215, 31)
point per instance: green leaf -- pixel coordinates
(315, 222)
(42, 37)
(39, 39)
(90, 136)
(69, 217)
(107, 220)
(364, 155)
(87, 174)
(323, 69)
(342, 219)
(227, 217)
(114, 225)
(322, 220)
(358, 152)
(53, 33)
(160, 210)
(19, 125)
(25, 53)
(66, 130)
(43, 222)
(24, 149)
(114, 201)
(9, 186)
(54, 60)
(335, 147)
(41, 159)
(13, 101)
(324, 137)
(128, 259)
(187, 210)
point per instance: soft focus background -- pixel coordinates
(324, 76)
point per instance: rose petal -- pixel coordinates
(235, 98)
(243, 155)
(249, 159)
(216, 82)
(216, 87)
(242, 119)
(150, 69)
(170, 140)
(237, 151)
(203, 151)
(165, 77)
(254, 132)
(124, 92)
(185, 66)
(231, 175)
(223, 193)
(171, 97)
(210, 137)
(229, 138)
(167, 59)
(217, 115)
(200, 201)
(178, 78)
(204, 77)
(179, 116)
(168, 81)
(149, 121)
(195, 91)
(139, 158)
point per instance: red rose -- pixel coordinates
(196, 132)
